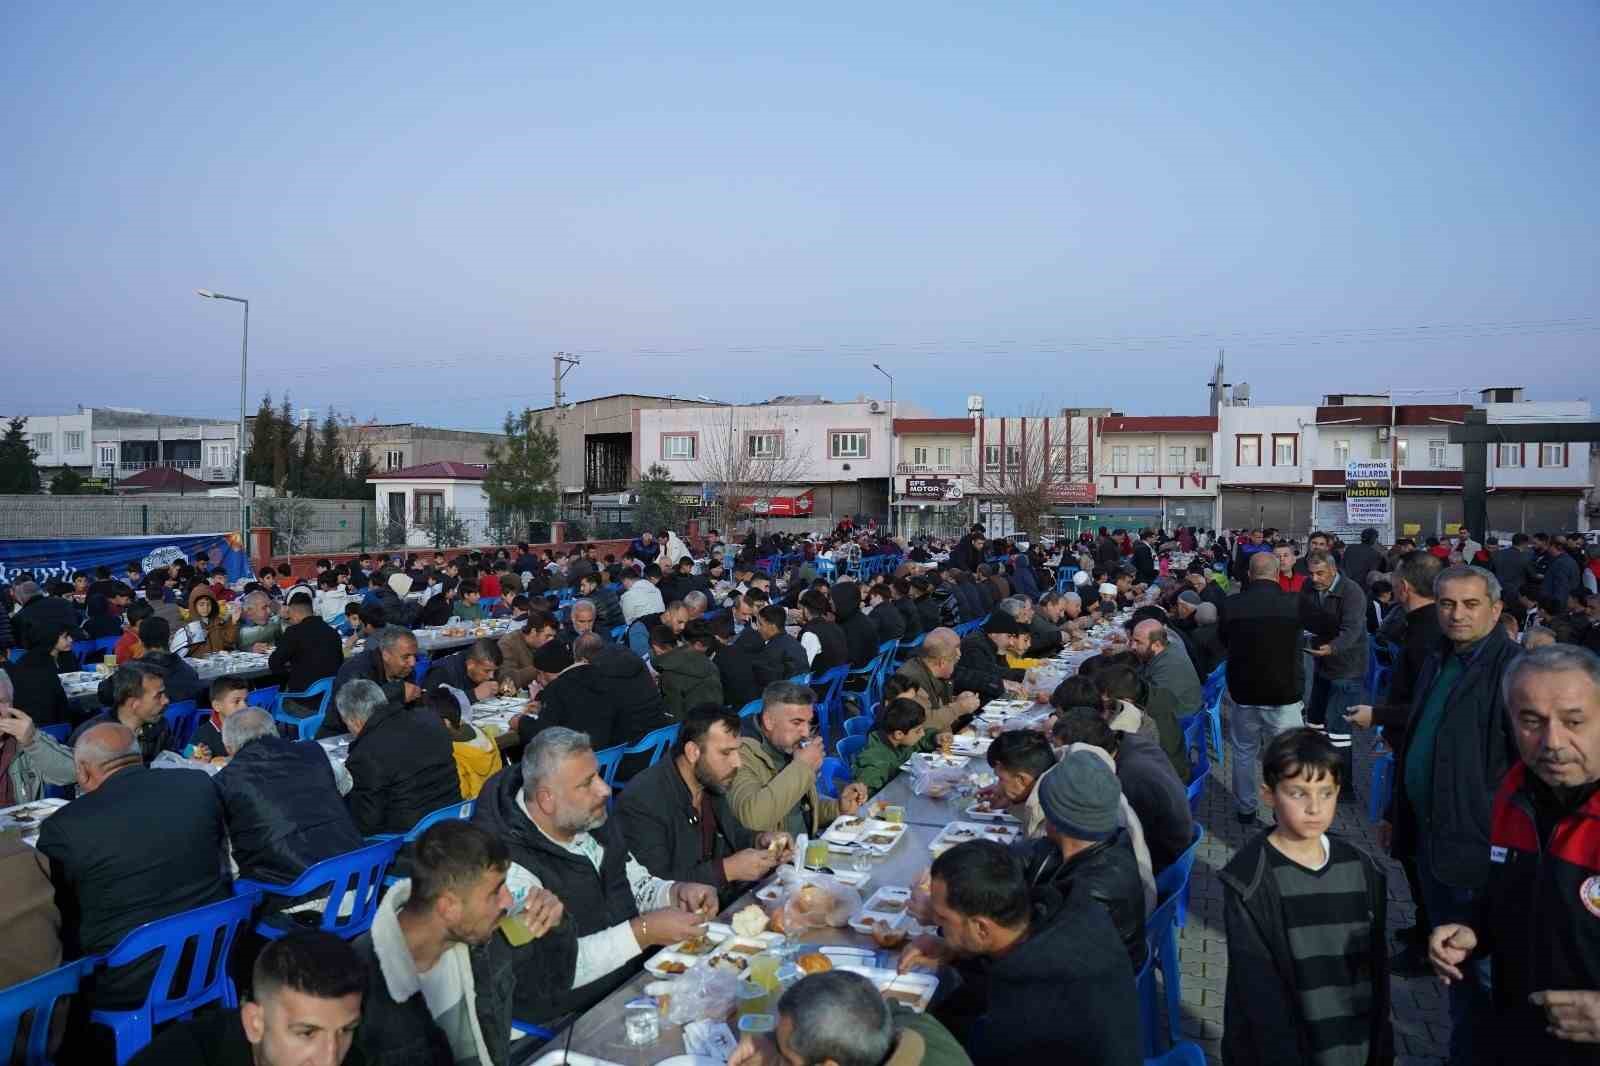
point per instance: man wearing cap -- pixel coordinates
(560, 690)
(1084, 844)
(982, 667)
(1199, 582)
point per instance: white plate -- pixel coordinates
(655, 962)
(989, 816)
(922, 984)
(961, 832)
(971, 746)
(856, 835)
(677, 1060)
(924, 761)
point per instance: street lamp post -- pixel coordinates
(244, 363)
(885, 373)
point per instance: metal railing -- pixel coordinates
(936, 468)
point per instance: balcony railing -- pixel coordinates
(953, 469)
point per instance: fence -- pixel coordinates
(301, 525)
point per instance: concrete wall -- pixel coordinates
(805, 429)
(331, 525)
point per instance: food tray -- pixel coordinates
(961, 832)
(923, 761)
(971, 746)
(866, 834)
(734, 954)
(27, 817)
(999, 709)
(500, 705)
(976, 812)
(886, 909)
(915, 990)
(665, 962)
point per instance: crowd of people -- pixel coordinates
(1490, 702)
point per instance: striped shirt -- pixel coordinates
(1328, 920)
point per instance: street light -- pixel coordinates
(890, 376)
(244, 362)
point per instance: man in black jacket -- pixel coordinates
(551, 813)
(1458, 745)
(1046, 978)
(676, 818)
(136, 845)
(1333, 609)
(283, 808)
(388, 661)
(471, 670)
(308, 651)
(1261, 630)
(138, 700)
(1145, 570)
(401, 764)
(781, 656)
(861, 637)
(982, 667)
(886, 619)
(42, 612)
(1364, 558)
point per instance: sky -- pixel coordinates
(1054, 204)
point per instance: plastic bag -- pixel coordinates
(936, 782)
(703, 992)
(812, 901)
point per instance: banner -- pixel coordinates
(932, 488)
(62, 558)
(1368, 494)
(780, 506)
(1073, 492)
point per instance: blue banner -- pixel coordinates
(63, 558)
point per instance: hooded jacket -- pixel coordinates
(860, 635)
(622, 701)
(1261, 1010)
(477, 759)
(1107, 871)
(687, 679)
(402, 769)
(283, 809)
(36, 685)
(773, 792)
(1064, 994)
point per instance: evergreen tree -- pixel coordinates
(18, 472)
(656, 508)
(332, 480)
(283, 444)
(307, 468)
(263, 442)
(521, 480)
(68, 483)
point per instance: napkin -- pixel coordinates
(711, 1039)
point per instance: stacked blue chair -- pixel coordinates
(1174, 880)
(849, 747)
(859, 726)
(1194, 740)
(182, 718)
(358, 874)
(1161, 929)
(210, 930)
(322, 692)
(832, 776)
(37, 999)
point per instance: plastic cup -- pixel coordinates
(641, 1022)
(764, 971)
(753, 999)
(817, 853)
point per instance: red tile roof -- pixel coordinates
(962, 426)
(1158, 424)
(445, 470)
(160, 479)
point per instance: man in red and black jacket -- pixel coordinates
(1539, 918)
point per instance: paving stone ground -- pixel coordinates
(1421, 1016)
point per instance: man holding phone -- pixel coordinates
(775, 789)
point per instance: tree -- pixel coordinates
(444, 529)
(1038, 480)
(19, 473)
(656, 507)
(331, 474)
(263, 443)
(69, 483)
(740, 472)
(282, 444)
(290, 520)
(521, 480)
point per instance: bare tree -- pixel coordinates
(1035, 471)
(745, 459)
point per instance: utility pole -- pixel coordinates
(562, 365)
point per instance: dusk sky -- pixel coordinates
(1049, 204)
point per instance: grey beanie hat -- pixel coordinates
(1081, 797)
(1191, 597)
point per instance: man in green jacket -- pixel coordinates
(776, 786)
(930, 669)
(901, 731)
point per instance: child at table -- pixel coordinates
(900, 732)
(476, 753)
(228, 696)
(1308, 974)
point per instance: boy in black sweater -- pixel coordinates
(1308, 977)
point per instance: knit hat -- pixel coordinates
(1205, 614)
(1108, 592)
(1191, 597)
(552, 657)
(400, 585)
(1080, 797)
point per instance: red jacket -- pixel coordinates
(1540, 916)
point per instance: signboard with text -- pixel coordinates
(1369, 494)
(932, 488)
(1073, 492)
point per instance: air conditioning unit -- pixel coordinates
(875, 407)
(1383, 432)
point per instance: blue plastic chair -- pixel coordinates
(359, 873)
(522, 1029)
(1184, 1054)
(850, 747)
(210, 929)
(88, 651)
(182, 718)
(1194, 740)
(832, 775)
(265, 698)
(37, 998)
(423, 662)
(322, 691)
(1216, 688)
(1144, 984)
(859, 726)
(800, 679)
(58, 732)
(617, 633)
(1162, 931)
(654, 743)
(1382, 786)
(608, 760)
(456, 812)
(908, 648)
(751, 709)
(829, 687)
(1174, 880)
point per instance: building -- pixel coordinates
(107, 444)
(802, 461)
(1162, 465)
(401, 445)
(934, 475)
(1285, 466)
(413, 501)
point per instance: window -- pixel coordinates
(1436, 454)
(1177, 460)
(679, 445)
(1147, 459)
(847, 444)
(1202, 454)
(1341, 454)
(1402, 448)
(1552, 455)
(1247, 449)
(1013, 456)
(1119, 459)
(42, 442)
(72, 440)
(946, 457)
(1285, 449)
(919, 457)
(1058, 459)
(428, 504)
(764, 445)
(397, 507)
(991, 457)
(394, 459)
(1510, 455)
(1080, 460)
(219, 456)
(966, 456)
(108, 455)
